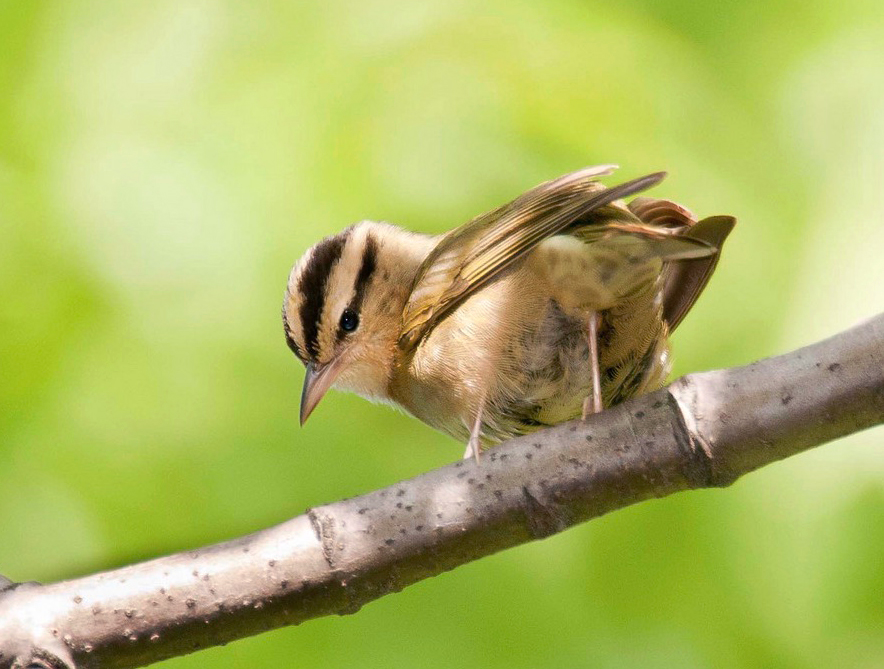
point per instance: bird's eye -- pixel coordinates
(349, 320)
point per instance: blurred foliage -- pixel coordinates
(162, 164)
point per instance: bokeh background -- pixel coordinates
(163, 163)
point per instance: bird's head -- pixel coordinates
(343, 309)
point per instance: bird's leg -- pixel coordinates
(593, 402)
(473, 443)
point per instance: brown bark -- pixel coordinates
(704, 430)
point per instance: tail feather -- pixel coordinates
(685, 280)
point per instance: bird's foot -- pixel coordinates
(592, 404)
(472, 449)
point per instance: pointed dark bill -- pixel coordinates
(318, 379)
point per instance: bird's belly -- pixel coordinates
(552, 370)
(525, 357)
(535, 373)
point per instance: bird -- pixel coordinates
(549, 308)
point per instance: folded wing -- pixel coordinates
(470, 256)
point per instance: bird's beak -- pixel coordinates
(317, 381)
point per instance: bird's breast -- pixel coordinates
(509, 346)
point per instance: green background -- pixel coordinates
(162, 165)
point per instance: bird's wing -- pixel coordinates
(470, 256)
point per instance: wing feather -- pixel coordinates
(470, 256)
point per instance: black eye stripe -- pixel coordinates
(366, 270)
(312, 285)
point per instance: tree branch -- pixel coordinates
(704, 430)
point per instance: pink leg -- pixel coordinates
(473, 444)
(593, 403)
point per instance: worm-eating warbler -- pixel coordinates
(547, 308)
